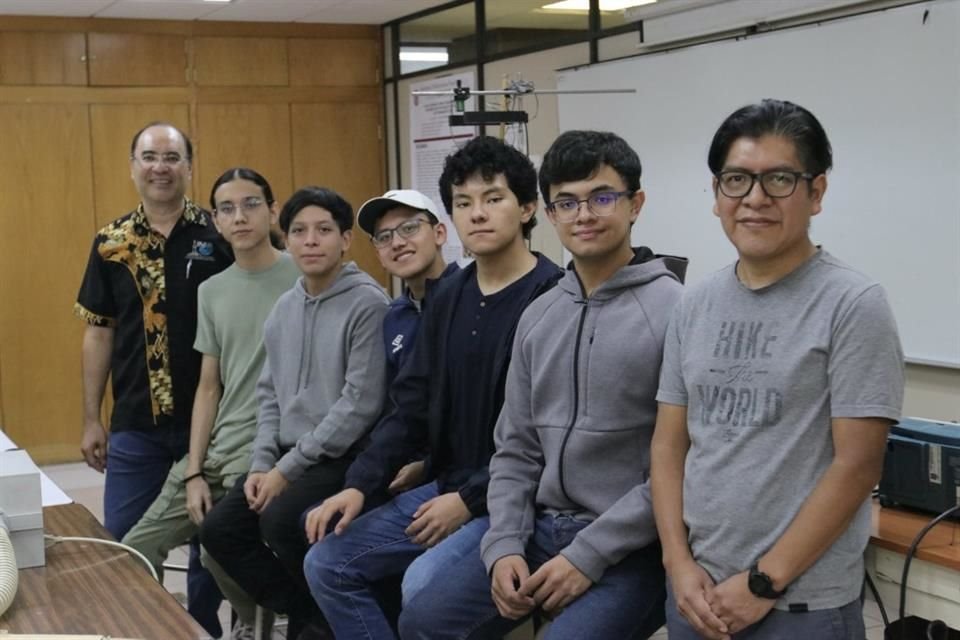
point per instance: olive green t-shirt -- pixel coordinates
(232, 307)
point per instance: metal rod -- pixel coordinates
(513, 92)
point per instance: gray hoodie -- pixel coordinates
(574, 433)
(322, 385)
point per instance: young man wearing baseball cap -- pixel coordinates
(405, 229)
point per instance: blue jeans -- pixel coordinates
(428, 566)
(137, 466)
(627, 602)
(341, 570)
(841, 623)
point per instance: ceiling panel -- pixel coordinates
(165, 9)
(333, 11)
(72, 8)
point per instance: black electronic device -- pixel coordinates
(922, 467)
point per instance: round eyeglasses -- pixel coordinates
(600, 204)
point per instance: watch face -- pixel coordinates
(760, 585)
(755, 582)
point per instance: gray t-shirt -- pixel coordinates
(762, 372)
(232, 308)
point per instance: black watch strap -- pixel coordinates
(761, 585)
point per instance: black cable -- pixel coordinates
(876, 596)
(912, 550)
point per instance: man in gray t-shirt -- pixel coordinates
(781, 376)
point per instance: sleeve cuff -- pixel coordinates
(500, 549)
(91, 318)
(585, 558)
(475, 498)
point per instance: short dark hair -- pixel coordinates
(577, 155)
(490, 157)
(161, 123)
(241, 173)
(775, 118)
(340, 210)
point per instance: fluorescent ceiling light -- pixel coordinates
(605, 5)
(424, 56)
(218, 0)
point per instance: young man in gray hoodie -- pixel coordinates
(572, 533)
(321, 390)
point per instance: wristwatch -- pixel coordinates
(761, 585)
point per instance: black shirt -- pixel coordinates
(482, 327)
(145, 287)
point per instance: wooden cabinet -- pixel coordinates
(137, 59)
(299, 103)
(334, 62)
(40, 58)
(240, 61)
(46, 230)
(339, 146)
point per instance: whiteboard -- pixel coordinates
(885, 86)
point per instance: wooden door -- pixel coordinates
(244, 135)
(43, 58)
(248, 62)
(137, 60)
(46, 230)
(339, 145)
(334, 62)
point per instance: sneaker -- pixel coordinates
(245, 631)
(242, 631)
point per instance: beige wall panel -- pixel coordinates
(43, 58)
(338, 146)
(240, 61)
(111, 129)
(134, 59)
(244, 135)
(334, 63)
(45, 233)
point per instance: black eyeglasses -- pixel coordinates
(776, 184)
(600, 204)
(406, 229)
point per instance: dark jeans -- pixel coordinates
(264, 552)
(626, 604)
(137, 466)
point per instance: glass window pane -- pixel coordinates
(526, 24)
(612, 12)
(438, 40)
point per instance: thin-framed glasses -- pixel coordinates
(406, 229)
(600, 204)
(776, 184)
(152, 159)
(248, 205)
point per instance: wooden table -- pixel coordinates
(88, 588)
(895, 529)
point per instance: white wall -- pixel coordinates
(931, 392)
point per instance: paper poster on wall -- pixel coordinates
(433, 139)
